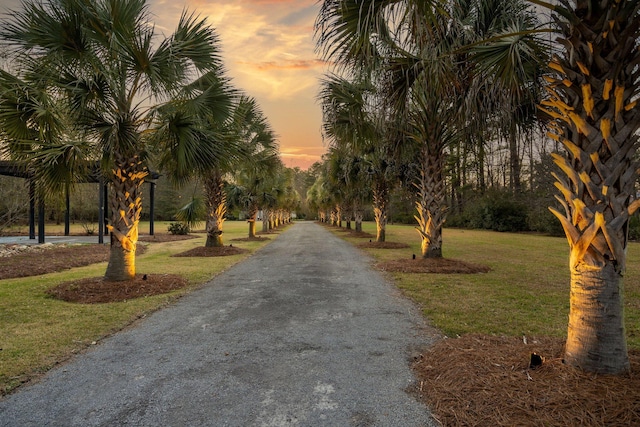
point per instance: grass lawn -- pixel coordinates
(525, 293)
(37, 331)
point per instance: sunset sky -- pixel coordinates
(269, 53)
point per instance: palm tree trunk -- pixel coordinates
(430, 205)
(358, 215)
(596, 339)
(252, 214)
(265, 220)
(380, 203)
(126, 206)
(217, 208)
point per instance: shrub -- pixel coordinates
(178, 228)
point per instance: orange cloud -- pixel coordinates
(304, 64)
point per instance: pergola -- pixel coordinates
(9, 168)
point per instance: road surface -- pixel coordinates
(302, 333)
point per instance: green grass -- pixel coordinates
(37, 331)
(525, 293)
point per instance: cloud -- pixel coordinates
(304, 64)
(268, 49)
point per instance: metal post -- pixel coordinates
(67, 214)
(100, 212)
(152, 196)
(32, 210)
(41, 218)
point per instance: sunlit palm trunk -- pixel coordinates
(252, 215)
(380, 203)
(596, 119)
(125, 204)
(216, 207)
(430, 206)
(272, 220)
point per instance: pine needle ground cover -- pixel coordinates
(39, 330)
(491, 322)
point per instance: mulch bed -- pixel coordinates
(203, 251)
(432, 265)
(96, 290)
(251, 239)
(362, 234)
(383, 245)
(61, 257)
(480, 380)
(56, 258)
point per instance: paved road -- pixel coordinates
(303, 333)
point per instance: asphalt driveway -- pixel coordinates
(303, 333)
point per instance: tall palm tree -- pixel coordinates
(592, 100)
(100, 61)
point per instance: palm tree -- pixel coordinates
(99, 61)
(355, 126)
(210, 110)
(251, 178)
(592, 100)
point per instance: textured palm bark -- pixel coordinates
(252, 215)
(358, 215)
(430, 205)
(272, 220)
(265, 220)
(125, 205)
(592, 100)
(596, 334)
(216, 208)
(380, 203)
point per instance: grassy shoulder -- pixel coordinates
(525, 293)
(38, 331)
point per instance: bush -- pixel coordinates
(178, 228)
(634, 228)
(497, 210)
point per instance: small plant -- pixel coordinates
(192, 213)
(178, 228)
(89, 228)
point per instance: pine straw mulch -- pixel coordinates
(432, 265)
(383, 245)
(203, 251)
(480, 380)
(96, 290)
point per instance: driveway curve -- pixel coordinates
(302, 333)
